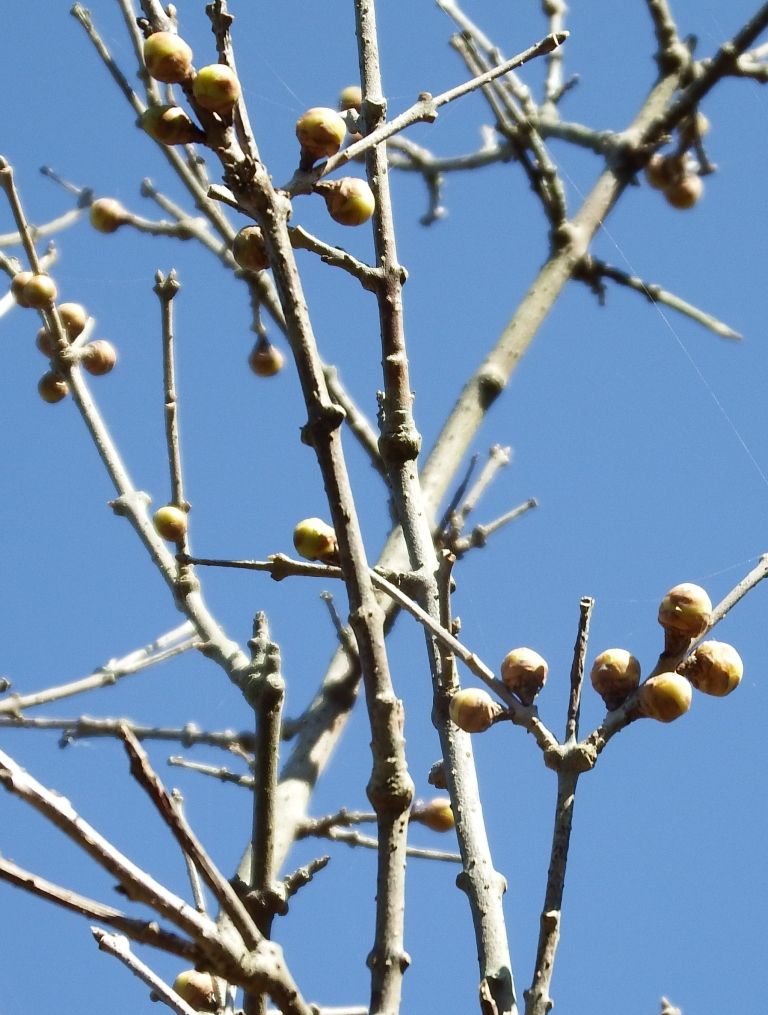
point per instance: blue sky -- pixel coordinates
(642, 435)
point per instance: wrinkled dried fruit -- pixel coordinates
(249, 249)
(170, 125)
(52, 388)
(436, 814)
(216, 88)
(170, 522)
(350, 201)
(473, 710)
(99, 357)
(107, 215)
(615, 674)
(167, 58)
(524, 672)
(265, 359)
(714, 668)
(314, 539)
(665, 697)
(321, 132)
(686, 610)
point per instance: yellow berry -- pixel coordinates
(685, 192)
(40, 292)
(99, 357)
(265, 359)
(686, 610)
(314, 539)
(320, 132)
(473, 710)
(249, 249)
(18, 282)
(52, 388)
(665, 697)
(350, 201)
(45, 343)
(197, 989)
(216, 88)
(662, 170)
(615, 674)
(170, 125)
(167, 58)
(714, 668)
(74, 317)
(524, 672)
(107, 215)
(436, 814)
(351, 97)
(170, 522)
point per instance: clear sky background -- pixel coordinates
(642, 435)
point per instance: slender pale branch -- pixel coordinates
(118, 946)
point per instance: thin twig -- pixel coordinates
(117, 945)
(192, 872)
(594, 270)
(108, 674)
(577, 670)
(537, 999)
(147, 778)
(147, 932)
(84, 727)
(425, 109)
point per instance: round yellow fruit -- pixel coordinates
(249, 249)
(107, 215)
(99, 357)
(197, 989)
(351, 97)
(265, 360)
(686, 610)
(524, 672)
(167, 58)
(52, 388)
(18, 282)
(40, 292)
(714, 668)
(170, 125)
(685, 192)
(216, 88)
(74, 317)
(321, 132)
(473, 710)
(665, 697)
(170, 522)
(615, 674)
(314, 539)
(436, 814)
(350, 201)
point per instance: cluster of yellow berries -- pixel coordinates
(321, 132)
(685, 613)
(39, 292)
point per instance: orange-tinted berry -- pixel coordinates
(436, 814)
(107, 215)
(615, 675)
(473, 710)
(665, 697)
(170, 522)
(714, 668)
(314, 539)
(350, 201)
(265, 359)
(249, 249)
(170, 125)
